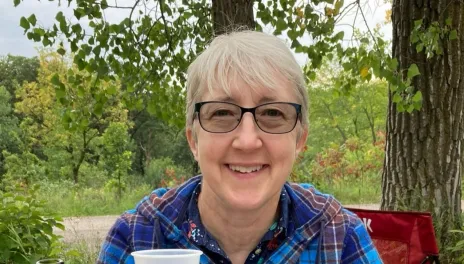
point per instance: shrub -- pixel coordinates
(353, 159)
(26, 231)
(163, 172)
(351, 171)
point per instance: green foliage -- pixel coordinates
(457, 249)
(26, 231)
(66, 136)
(150, 61)
(430, 38)
(155, 140)
(335, 116)
(9, 130)
(352, 159)
(116, 155)
(25, 167)
(164, 173)
(135, 50)
(14, 70)
(350, 171)
(80, 251)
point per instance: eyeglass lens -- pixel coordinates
(276, 118)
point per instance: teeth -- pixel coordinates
(245, 169)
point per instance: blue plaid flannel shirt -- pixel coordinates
(325, 232)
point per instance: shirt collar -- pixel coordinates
(193, 217)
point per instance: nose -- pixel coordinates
(247, 134)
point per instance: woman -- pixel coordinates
(247, 121)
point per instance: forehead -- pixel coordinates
(244, 93)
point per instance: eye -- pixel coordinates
(222, 112)
(272, 112)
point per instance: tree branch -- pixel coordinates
(168, 37)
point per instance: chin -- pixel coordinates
(243, 201)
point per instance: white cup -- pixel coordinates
(167, 256)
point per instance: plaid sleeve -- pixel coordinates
(116, 248)
(358, 245)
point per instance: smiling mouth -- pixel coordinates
(248, 169)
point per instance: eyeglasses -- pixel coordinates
(273, 118)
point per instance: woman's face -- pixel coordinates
(225, 158)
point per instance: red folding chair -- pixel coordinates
(401, 237)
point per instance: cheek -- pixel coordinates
(283, 147)
(211, 148)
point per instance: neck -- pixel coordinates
(237, 231)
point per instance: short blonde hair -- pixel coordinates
(255, 57)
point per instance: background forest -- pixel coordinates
(112, 159)
(124, 154)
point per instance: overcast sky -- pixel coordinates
(13, 41)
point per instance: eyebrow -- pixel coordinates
(263, 100)
(267, 99)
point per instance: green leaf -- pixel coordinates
(338, 4)
(111, 90)
(24, 23)
(419, 47)
(339, 36)
(397, 98)
(295, 44)
(448, 21)
(417, 105)
(453, 34)
(393, 64)
(414, 37)
(60, 17)
(76, 28)
(98, 109)
(410, 108)
(74, 47)
(32, 19)
(413, 71)
(60, 226)
(61, 51)
(417, 97)
(60, 92)
(46, 42)
(400, 107)
(312, 75)
(417, 23)
(17, 2)
(281, 24)
(55, 79)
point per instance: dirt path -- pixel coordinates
(87, 229)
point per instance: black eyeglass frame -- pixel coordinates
(244, 110)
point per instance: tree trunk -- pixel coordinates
(423, 161)
(232, 14)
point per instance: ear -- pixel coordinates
(301, 140)
(192, 141)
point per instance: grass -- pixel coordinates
(65, 200)
(80, 252)
(362, 190)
